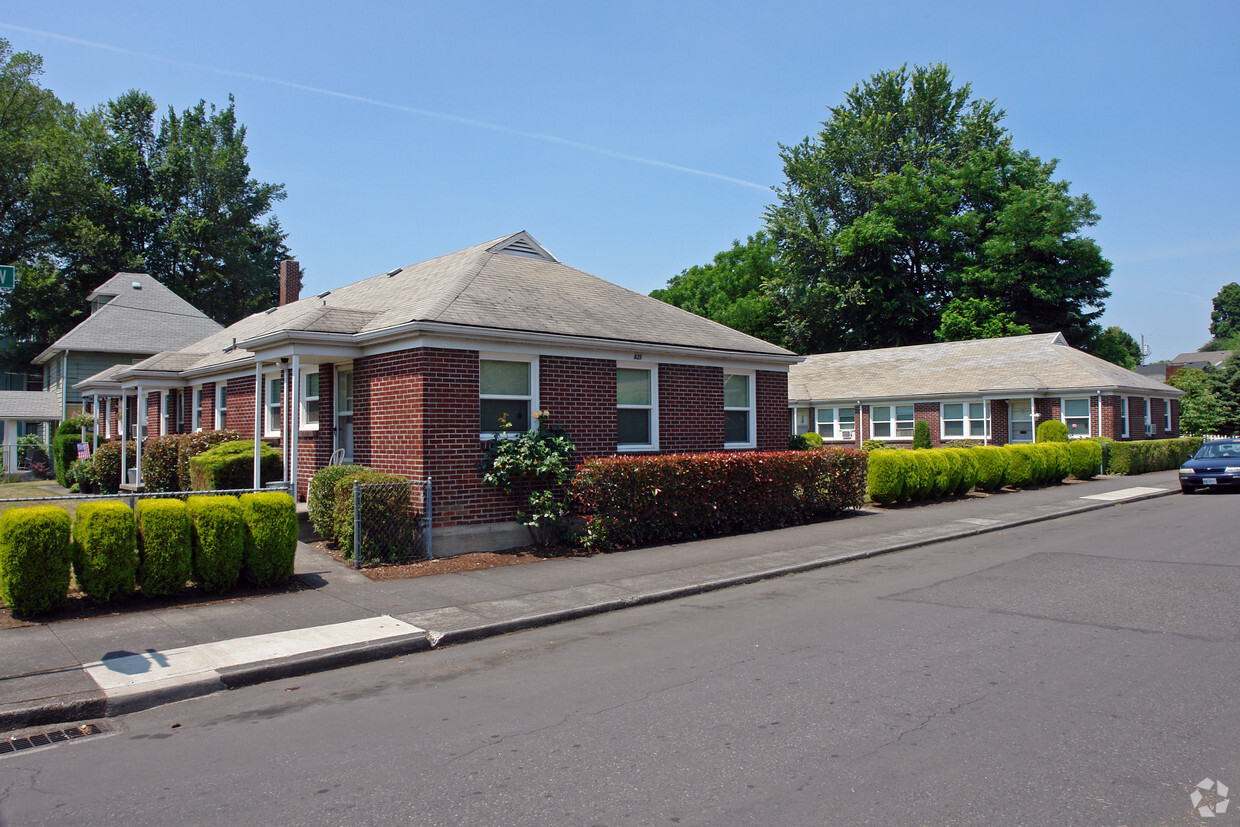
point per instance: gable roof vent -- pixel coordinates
(522, 244)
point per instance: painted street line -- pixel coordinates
(1124, 494)
(121, 670)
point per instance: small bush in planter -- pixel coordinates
(105, 557)
(218, 541)
(35, 558)
(164, 546)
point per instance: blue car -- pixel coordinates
(1215, 465)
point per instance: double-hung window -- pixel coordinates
(1076, 417)
(964, 420)
(344, 412)
(636, 427)
(738, 413)
(221, 405)
(837, 423)
(891, 421)
(274, 402)
(1167, 415)
(309, 400)
(197, 423)
(1123, 416)
(166, 409)
(506, 394)
(1149, 418)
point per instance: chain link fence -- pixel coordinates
(391, 522)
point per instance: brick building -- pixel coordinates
(988, 391)
(414, 371)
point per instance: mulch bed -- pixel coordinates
(458, 562)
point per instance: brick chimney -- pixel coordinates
(290, 281)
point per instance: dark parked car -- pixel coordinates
(1215, 465)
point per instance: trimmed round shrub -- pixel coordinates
(954, 469)
(992, 463)
(191, 445)
(1052, 430)
(921, 472)
(1058, 460)
(1085, 458)
(321, 497)
(165, 550)
(342, 512)
(940, 471)
(1020, 468)
(105, 556)
(34, 558)
(798, 442)
(217, 539)
(230, 465)
(813, 440)
(885, 476)
(967, 479)
(270, 530)
(873, 445)
(921, 434)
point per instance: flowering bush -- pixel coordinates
(539, 459)
(635, 500)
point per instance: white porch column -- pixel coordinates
(1033, 420)
(123, 422)
(10, 446)
(258, 421)
(294, 418)
(94, 442)
(141, 417)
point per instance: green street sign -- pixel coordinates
(8, 277)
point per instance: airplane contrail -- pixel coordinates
(399, 107)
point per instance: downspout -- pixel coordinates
(1033, 420)
(258, 420)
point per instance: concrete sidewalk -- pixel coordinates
(79, 669)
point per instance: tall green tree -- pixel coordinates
(730, 290)
(1117, 345)
(912, 196)
(964, 319)
(1225, 320)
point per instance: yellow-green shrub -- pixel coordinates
(885, 475)
(105, 559)
(34, 558)
(968, 469)
(270, 519)
(940, 471)
(992, 464)
(164, 546)
(1085, 458)
(1019, 466)
(218, 541)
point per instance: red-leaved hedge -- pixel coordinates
(628, 501)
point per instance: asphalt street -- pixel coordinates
(1078, 671)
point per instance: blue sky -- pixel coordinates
(637, 139)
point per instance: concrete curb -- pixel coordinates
(96, 703)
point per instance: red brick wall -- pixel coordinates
(929, 413)
(772, 410)
(239, 415)
(208, 406)
(581, 396)
(691, 408)
(152, 414)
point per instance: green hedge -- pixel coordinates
(1020, 466)
(921, 434)
(64, 445)
(1144, 456)
(385, 506)
(1059, 460)
(270, 525)
(105, 557)
(1052, 430)
(628, 501)
(967, 479)
(108, 464)
(164, 546)
(35, 558)
(217, 540)
(992, 464)
(191, 445)
(321, 497)
(1085, 458)
(885, 475)
(230, 465)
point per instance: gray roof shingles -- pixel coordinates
(29, 405)
(1019, 364)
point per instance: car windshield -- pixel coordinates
(1224, 450)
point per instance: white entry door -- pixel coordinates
(1020, 420)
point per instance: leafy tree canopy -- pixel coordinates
(1225, 320)
(1116, 345)
(912, 197)
(730, 289)
(85, 195)
(977, 319)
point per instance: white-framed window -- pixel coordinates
(1149, 417)
(344, 411)
(1167, 415)
(963, 420)
(221, 405)
(273, 402)
(309, 400)
(1123, 416)
(1075, 416)
(197, 423)
(165, 412)
(506, 395)
(637, 426)
(838, 424)
(891, 421)
(738, 411)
